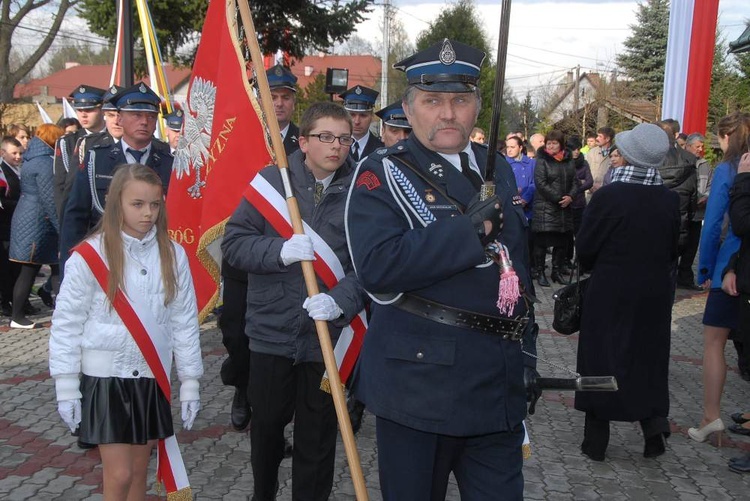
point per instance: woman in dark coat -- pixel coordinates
(629, 240)
(556, 186)
(34, 229)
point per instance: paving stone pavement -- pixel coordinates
(39, 459)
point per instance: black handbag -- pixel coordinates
(568, 303)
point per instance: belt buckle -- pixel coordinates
(517, 333)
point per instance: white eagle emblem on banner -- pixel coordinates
(193, 145)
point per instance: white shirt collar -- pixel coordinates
(130, 158)
(284, 131)
(326, 181)
(455, 160)
(363, 142)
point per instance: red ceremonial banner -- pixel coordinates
(222, 146)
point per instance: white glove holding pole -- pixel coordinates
(70, 412)
(322, 307)
(190, 402)
(298, 248)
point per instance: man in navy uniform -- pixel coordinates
(284, 93)
(138, 108)
(442, 370)
(359, 102)
(173, 122)
(394, 125)
(87, 101)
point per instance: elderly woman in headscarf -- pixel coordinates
(629, 240)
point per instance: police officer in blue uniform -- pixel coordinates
(87, 101)
(173, 121)
(393, 124)
(442, 370)
(359, 101)
(138, 108)
(282, 82)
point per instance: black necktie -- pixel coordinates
(467, 171)
(137, 154)
(355, 150)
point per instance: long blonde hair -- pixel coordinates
(110, 227)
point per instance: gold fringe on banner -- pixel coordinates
(185, 494)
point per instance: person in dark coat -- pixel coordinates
(629, 240)
(10, 192)
(235, 370)
(556, 186)
(286, 361)
(34, 231)
(439, 367)
(138, 111)
(359, 101)
(585, 181)
(87, 101)
(737, 283)
(680, 174)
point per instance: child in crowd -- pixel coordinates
(126, 306)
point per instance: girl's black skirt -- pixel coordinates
(123, 411)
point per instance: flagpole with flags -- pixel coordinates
(308, 271)
(45, 117)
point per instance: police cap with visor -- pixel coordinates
(394, 115)
(359, 98)
(446, 66)
(139, 97)
(280, 77)
(86, 97)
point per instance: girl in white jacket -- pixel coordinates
(118, 401)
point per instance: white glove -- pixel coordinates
(322, 307)
(297, 248)
(70, 412)
(190, 410)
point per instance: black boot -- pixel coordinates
(240, 409)
(356, 412)
(558, 276)
(542, 277)
(595, 437)
(655, 446)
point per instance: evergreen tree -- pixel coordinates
(646, 49)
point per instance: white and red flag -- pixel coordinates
(222, 146)
(690, 55)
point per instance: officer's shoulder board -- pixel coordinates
(381, 153)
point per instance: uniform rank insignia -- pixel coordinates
(429, 197)
(436, 169)
(517, 200)
(368, 180)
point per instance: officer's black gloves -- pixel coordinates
(533, 392)
(490, 210)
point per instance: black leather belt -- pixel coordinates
(509, 328)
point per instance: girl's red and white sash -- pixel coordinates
(269, 202)
(154, 345)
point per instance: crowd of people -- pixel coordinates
(406, 244)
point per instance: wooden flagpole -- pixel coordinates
(308, 271)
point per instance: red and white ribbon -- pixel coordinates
(154, 345)
(269, 202)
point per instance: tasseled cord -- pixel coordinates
(509, 290)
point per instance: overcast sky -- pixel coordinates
(548, 38)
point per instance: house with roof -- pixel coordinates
(595, 104)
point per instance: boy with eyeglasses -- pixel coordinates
(286, 362)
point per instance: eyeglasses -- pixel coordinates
(327, 137)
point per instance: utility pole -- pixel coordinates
(127, 43)
(386, 51)
(576, 98)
